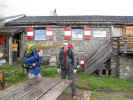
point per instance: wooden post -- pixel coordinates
(116, 38)
(118, 58)
(22, 45)
(10, 50)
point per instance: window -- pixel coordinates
(99, 33)
(77, 33)
(40, 33)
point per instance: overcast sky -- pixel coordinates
(67, 7)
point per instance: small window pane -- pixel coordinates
(77, 33)
(40, 33)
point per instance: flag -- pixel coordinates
(87, 33)
(67, 33)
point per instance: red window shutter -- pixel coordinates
(30, 33)
(67, 33)
(49, 32)
(87, 33)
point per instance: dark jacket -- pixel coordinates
(69, 58)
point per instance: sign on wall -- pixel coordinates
(40, 33)
(99, 33)
(77, 33)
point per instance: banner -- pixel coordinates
(67, 33)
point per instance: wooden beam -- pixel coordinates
(22, 45)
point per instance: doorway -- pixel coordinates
(16, 47)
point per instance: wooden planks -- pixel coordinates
(34, 90)
(37, 91)
(56, 91)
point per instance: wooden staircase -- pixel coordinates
(107, 50)
(99, 57)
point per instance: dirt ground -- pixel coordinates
(102, 96)
(112, 96)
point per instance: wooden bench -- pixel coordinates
(2, 80)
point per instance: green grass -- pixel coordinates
(15, 74)
(49, 71)
(104, 82)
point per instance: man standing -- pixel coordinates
(67, 64)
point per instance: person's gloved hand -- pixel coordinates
(78, 66)
(75, 71)
(34, 64)
(58, 70)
